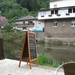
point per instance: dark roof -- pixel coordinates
(3, 21)
(26, 18)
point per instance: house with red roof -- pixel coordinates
(3, 21)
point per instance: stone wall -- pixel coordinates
(60, 31)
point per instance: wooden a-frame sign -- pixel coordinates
(29, 49)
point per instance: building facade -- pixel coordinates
(28, 23)
(59, 19)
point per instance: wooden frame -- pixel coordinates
(29, 49)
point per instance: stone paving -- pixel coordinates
(10, 67)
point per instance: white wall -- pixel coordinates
(40, 24)
(63, 3)
(37, 24)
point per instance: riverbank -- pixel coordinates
(10, 67)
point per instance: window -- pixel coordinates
(24, 28)
(63, 11)
(56, 11)
(73, 23)
(52, 12)
(74, 10)
(55, 6)
(70, 10)
(23, 22)
(55, 24)
(26, 22)
(63, 23)
(30, 21)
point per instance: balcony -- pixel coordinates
(25, 25)
(66, 12)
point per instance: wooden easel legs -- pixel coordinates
(27, 60)
(19, 63)
(23, 59)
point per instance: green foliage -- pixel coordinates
(41, 42)
(7, 28)
(12, 42)
(56, 64)
(34, 5)
(44, 59)
(47, 60)
(13, 9)
(59, 43)
(33, 13)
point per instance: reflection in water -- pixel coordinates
(60, 53)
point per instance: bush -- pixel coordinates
(44, 59)
(59, 43)
(41, 42)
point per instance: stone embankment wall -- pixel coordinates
(64, 41)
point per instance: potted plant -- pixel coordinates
(50, 15)
(67, 13)
(58, 14)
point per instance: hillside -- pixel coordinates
(13, 9)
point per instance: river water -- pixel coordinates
(60, 53)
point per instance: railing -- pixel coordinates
(24, 24)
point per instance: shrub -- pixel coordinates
(44, 59)
(41, 42)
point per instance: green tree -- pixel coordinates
(7, 28)
(34, 4)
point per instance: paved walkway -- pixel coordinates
(10, 67)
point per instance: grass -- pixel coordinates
(45, 60)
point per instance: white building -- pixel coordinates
(29, 23)
(59, 18)
(61, 3)
(58, 9)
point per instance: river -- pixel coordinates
(60, 53)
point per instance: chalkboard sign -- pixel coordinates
(32, 46)
(29, 50)
(25, 47)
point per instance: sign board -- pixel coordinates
(29, 50)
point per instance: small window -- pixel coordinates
(56, 11)
(74, 10)
(26, 22)
(73, 23)
(23, 22)
(55, 6)
(63, 23)
(55, 24)
(30, 22)
(52, 12)
(70, 10)
(24, 28)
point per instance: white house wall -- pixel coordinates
(19, 22)
(40, 24)
(37, 24)
(62, 3)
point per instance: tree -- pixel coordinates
(7, 28)
(34, 5)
